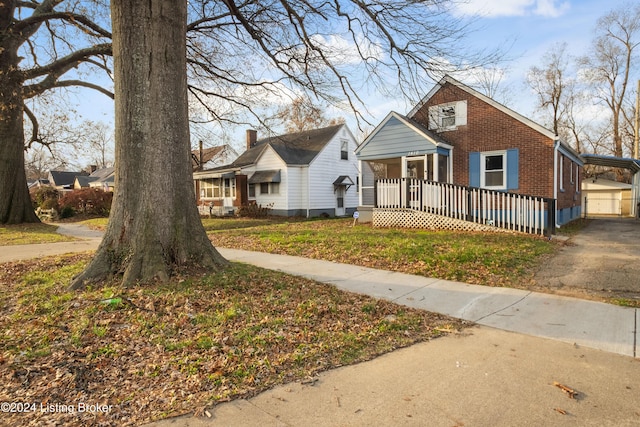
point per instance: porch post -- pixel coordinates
(435, 167)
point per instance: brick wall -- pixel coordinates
(489, 129)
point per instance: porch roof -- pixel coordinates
(398, 136)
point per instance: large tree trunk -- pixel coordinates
(154, 226)
(15, 203)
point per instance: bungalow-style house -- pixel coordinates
(99, 178)
(459, 153)
(211, 157)
(64, 181)
(307, 173)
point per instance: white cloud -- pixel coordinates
(494, 9)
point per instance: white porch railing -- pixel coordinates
(528, 214)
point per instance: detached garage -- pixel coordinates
(605, 197)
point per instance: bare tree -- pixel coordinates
(36, 56)
(243, 54)
(552, 85)
(610, 64)
(302, 114)
(239, 53)
(98, 139)
(154, 227)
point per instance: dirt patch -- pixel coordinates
(599, 262)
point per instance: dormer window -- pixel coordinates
(448, 116)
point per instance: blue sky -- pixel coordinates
(527, 28)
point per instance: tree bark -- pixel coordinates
(15, 202)
(154, 227)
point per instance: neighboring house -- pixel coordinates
(208, 158)
(308, 173)
(64, 181)
(99, 178)
(33, 184)
(459, 136)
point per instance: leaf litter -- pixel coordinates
(151, 352)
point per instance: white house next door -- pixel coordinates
(340, 211)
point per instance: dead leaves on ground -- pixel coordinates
(154, 352)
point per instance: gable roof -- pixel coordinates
(419, 129)
(515, 115)
(299, 148)
(448, 79)
(207, 155)
(102, 174)
(64, 178)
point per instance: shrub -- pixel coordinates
(45, 198)
(254, 210)
(67, 212)
(93, 201)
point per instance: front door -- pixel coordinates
(340, 211)
(415, 173)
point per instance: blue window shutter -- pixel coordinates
(474, 169)
(512, 169)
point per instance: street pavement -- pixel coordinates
(506, 371)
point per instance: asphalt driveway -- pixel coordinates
(601, 261)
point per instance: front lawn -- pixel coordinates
(493, 259)
(28, 234)
(151, 352)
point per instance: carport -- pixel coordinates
(632, 165)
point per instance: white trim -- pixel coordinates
(483, 155)
(407, 123)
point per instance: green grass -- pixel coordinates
(223, 335)
(496, 259)
(28, 234)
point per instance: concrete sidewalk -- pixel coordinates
(488, 375)
(586, 323)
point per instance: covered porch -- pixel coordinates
(220, 192)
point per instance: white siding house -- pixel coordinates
(308, 173)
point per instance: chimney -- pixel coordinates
(200, 158)
(93, 168)
(252, 137)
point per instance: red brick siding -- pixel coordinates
(490, 129)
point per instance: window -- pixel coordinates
(448, 116)
(443, 168)
(264, 188)
(269, 188)
(229, 187)
(561, 174)
(571, 172)
(493, 172)
(252, 190)
(344, 150)
(210, 188)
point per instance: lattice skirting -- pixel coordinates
(409, 218)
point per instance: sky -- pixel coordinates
(524, 29)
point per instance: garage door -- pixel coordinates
(603, 204)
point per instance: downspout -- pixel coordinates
(556, 146)
(308, 194)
